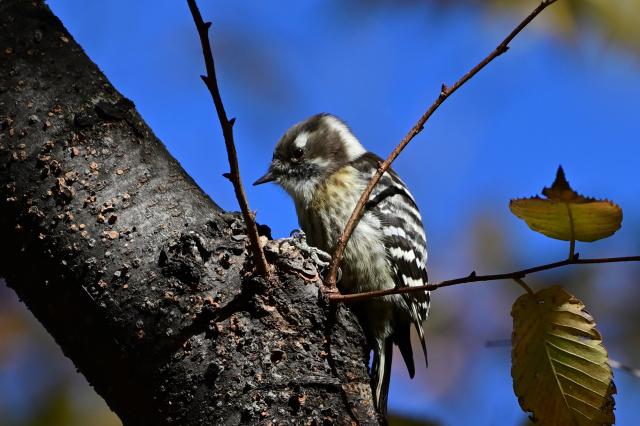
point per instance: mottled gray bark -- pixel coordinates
(142, 280)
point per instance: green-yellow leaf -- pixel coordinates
(559, 367)
(567, 215)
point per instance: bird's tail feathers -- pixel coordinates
(417, 322)
(402, 338)
(382, 373)
(423, 341)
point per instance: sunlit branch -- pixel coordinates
(211, 82)
(445, 92)
(474, 278)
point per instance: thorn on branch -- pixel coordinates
(502, 48)
(205, 78)
(443, 90)
(207, 25)
(227, 175)
(472, 274)
(232, 121)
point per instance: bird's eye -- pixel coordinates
(297, 153)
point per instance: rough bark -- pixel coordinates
(142, 280)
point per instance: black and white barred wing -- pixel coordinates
(404, 238)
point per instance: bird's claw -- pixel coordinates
(299, 240)
(321, 258)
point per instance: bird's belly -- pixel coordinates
(364, 265)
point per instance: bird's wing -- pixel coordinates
(405, 244)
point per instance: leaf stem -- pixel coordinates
(524, 285)
(572, 249)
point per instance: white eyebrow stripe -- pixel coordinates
(301, 140)
(353, 147)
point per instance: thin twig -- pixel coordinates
(445, 92)
(635, 372)
(472, 278)
(211, 82)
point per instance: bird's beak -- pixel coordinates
(268, 177)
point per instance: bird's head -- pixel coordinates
(310, 152)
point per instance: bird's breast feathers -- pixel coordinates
(365, 265)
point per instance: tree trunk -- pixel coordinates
(143, 281)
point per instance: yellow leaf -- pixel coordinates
(559, 367)
(567, 215)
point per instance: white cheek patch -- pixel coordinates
(353, 147)
(301, 140)
(322, 163)
(301, 191)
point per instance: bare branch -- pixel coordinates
(473, 278)
(635, 372)
(445, 92)
(211, 82)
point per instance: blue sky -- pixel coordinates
(548, 101)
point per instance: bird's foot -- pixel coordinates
(321, 258)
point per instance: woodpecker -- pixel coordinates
(325, 169)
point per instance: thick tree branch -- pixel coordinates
(142, 280)
(445, 92)
(473, 278)
(210, 80)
